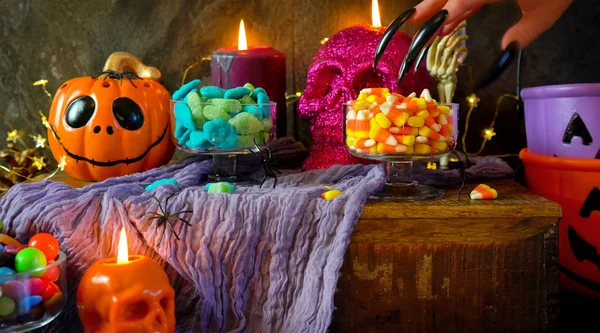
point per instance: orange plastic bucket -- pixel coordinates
(574, 183)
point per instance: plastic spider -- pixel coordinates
(167, 218)
(267, 168)
(127, 74)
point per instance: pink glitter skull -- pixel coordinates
(340, 69)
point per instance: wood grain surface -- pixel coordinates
(450, 266)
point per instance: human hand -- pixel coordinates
(538, 16)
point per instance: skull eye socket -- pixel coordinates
(166, 304)
(80, 111)
(128, 113)
(136, 311)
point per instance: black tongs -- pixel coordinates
(424, 38)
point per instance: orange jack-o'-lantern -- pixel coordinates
(112, 125)
(131, 297)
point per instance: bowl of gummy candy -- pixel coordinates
(212, 120)
(33, 282)
(385, 126)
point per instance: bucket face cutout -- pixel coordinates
(563, 120)
(575, 185)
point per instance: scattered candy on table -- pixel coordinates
(222, 187)
(212, 117)
(379, 122)
(159, 182)
(331, 194)
(27, 297)
(483, 192)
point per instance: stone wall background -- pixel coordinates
(58, 40)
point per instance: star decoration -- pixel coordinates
(41, 82)
(13, 136)
(489, 133)
(473, 100)
(44, 120)
(63, 162)
(38, 163)
(40, 141)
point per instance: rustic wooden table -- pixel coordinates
(452, 266)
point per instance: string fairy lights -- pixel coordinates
(488, 133)
(24, 163)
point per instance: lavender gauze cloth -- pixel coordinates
(257, 260)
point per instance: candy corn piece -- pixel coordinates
(407, 140)
(483, 192)
(426, 95)
(351, 122)
(375, 91)
(404, 130)
(370, 150)
(330, 195)
(429, 133)
(397, 116)
(385, 149)
(362, 124)
(381, 134)
(382, 120)
(421, 148)
(363, 143)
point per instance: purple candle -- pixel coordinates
(262, 66)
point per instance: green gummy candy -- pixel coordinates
(247, 100)
(227, 105)
(249, 86)
(267, 124)
(212, 112)
(220, 188)
(195, 103)
(246, 123)
(248, 140)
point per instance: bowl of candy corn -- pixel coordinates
(398, 130)
(221, 122)
(33, 282)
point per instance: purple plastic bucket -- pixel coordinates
(563, 120)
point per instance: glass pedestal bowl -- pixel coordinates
(19, 288)
(241, 132)
(432, 136)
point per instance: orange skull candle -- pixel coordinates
(126, 294)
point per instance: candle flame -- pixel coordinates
(242, 44)
(375, 14)
(123, 253)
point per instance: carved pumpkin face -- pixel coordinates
(108, 127)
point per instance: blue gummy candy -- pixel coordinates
(254, 110)
(198, 140)
(257, 91)
(161, 182)
(185, 137)
(185, 89)
(220, 133)
(183, 116)
(179, 131)
(212, 92)
(263, 101)
(1, 248)
(237, 93)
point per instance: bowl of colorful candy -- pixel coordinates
(33, 282)
(221, 122)
(398, 130)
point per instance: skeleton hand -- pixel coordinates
(443, 58)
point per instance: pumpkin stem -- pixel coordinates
(121, 62)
